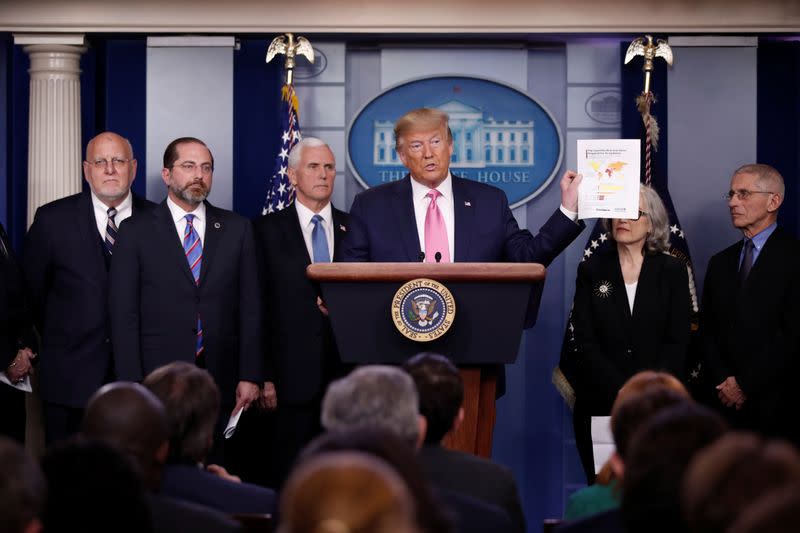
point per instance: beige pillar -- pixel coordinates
(54, 148)
(54, 124)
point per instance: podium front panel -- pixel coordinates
(487, 328)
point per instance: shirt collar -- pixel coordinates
(760, 238)
(178, 212)
(124, 204)
(305, 214)
(418, 190)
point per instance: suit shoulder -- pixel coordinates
(476, 187)
(62, 206)
(722, 254)
(141, 203)
(383, 190)
(669, 262)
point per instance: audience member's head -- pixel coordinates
(777, 511)
(648, 380)
(631, 413)
(22, 489)
(191, 400)
(731, 473)
(441, 393)
(384, 445)
(658, 455)
(131, 418)
(92, 488)
(375, 396)
(346, 492)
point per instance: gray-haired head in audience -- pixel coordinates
(374, 396)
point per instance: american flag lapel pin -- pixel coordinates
(467, 204)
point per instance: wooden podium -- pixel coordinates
(494, 302)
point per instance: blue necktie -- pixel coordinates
(747, 260)
(194, 255)
(319, 242)
(111, 230)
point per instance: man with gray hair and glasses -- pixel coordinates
(751, 309)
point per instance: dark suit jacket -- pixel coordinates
(751, 332)
(614, 344)
(155, 301)
(475, 477)
(15, 311)
(170, 515)
(301, 355)
(192, 483)
(475, 516)
(68, 282)
(383, 227)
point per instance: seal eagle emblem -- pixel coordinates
(423, 310)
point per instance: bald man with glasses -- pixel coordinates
(751, 311)
(66, 259)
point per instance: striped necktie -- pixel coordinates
(111, 230)
(194, 255)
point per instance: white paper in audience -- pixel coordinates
(602, 441)
(610, 186)
(24, 385)
(233, 421)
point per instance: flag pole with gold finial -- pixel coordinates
(644, 46)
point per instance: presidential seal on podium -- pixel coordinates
(423, 309)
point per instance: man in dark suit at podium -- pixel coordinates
(433, 215)
(300, 352)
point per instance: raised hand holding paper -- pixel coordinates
(610, 187)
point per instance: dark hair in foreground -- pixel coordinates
(22, 487)
(440, 389)
(631, 413)
(191, 399)
(733, 472)
(92, 488)
(659, 454)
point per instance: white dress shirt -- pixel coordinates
(199, 222)
(304, 215)
(446, 207)
(124, 210)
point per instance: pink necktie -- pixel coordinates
(435, 231)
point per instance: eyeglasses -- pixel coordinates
(189, 166)
(116, 162)
(641, 214)
(416, 146)
(743, 194)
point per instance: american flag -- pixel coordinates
(280, 193)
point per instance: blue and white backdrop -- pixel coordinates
(719, 115)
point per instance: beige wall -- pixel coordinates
(428, 16)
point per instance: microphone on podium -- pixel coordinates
(438, 257)
(421, 257)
